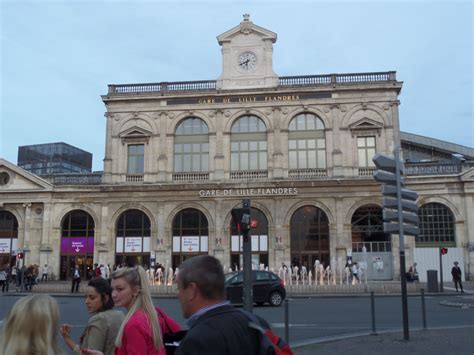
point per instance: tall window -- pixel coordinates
(191, 148)
(8, 238)
(309, 238)
(136, 154)
(77, 244)
(306, 142)
(436, 225)
(248, 144)
(259, 242)
(132, 242)
(366, 151)
(367, 230)
(190, 235)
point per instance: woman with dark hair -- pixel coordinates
(104, 324)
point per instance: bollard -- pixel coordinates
(287, 321)
(423, 309)
(372, 309)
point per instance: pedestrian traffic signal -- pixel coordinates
(19, 255)
(398, 203)
(444, 251)
(241, 217)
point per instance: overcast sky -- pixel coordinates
(57, 57)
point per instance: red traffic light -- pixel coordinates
(19, 256)
(253, 223)
(444, 251)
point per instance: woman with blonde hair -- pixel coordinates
(31, 327)
(140, 332)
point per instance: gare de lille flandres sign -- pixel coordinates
(274, 191)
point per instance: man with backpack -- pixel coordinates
(216, 327)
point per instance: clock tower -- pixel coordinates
(247, 62)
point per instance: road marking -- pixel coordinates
(293, 325)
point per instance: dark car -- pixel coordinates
(267, 287)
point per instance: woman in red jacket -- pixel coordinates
(141, 330)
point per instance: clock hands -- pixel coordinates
(245, 63)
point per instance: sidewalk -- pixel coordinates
(444, 341)
(379, 288)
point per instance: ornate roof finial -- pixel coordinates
(246, 25)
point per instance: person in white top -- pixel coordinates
(44, 275)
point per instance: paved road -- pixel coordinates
(317, 317)
(458, 341)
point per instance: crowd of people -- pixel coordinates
(215, 327)
(26, 276)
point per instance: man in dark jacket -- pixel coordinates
(215, 326)
(456, 274)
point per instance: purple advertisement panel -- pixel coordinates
(77, 245)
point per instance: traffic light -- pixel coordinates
(444, 251)
(395, 196)
(241, 217)
(19, 255)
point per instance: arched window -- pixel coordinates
(132, 239)
(77, 244)
(248, 146)
(8, 238)
(367, 230)
(191, 146)
(309, 238)
(259, 237)
(190, 235)
(436, 226)
(306, 142)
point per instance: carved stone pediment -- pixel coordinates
(135, 134)
(365, 126)
(365, 123)
(14, 178)
(246, 27)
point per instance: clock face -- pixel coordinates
(247, 61)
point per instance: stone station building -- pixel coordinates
(179, 156)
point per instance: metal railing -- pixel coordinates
(284, 81)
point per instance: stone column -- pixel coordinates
(219, 159)
(278, 164)
(45, 246)
(395, 126)
(26, 241)
(337, 163)
(107, 176)
(162, 147)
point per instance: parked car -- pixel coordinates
(267, 287)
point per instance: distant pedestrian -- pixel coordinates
(44, 274)
(8, 278)
(76, 279)
(14, 275)
(3, 278)
(456, 273)
(355, 272)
